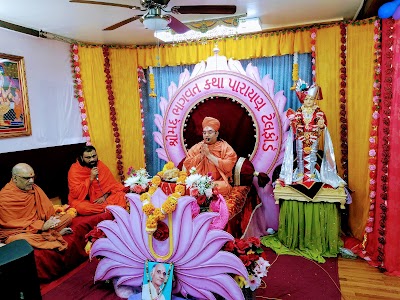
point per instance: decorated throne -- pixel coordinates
(252, 122)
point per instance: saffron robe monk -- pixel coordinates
(92, 187)
(27, 213)
(212, 156)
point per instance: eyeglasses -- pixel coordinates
(208, 132)
(26, 178)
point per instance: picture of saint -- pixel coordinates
(157, 281)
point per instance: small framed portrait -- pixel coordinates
(157, 281)
(14, 108)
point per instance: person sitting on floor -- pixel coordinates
(92, 186)
(27, 213)
(213, 156)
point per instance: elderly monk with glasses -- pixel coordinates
(213, 156)
(26, 213)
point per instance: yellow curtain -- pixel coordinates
(97, 107)
(127, 105)
(243, 47)
(328, 78)
(360, 79)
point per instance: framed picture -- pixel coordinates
(14, 107)
(157, 281)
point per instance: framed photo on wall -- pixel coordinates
(157, 281)
(14, 106)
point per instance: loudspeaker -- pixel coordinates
(18, 274)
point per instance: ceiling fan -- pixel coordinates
(153, 17)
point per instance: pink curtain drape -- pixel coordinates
(382, 243)
(392, 249)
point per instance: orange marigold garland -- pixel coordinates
(373, 139)
(152, 83)
(343, 102)
(113, 113)
(295, 71)
(155, 215)
(76, 71)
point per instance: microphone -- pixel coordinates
(97, 175)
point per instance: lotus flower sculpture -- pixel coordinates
(201, 268)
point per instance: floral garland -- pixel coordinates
(313, 54)
(295, 71)
(154, 215)
(141, 81)
(373, 139)
(76, 70)
(387, 88)
(343, 102)
(152, 83)
(113, 117)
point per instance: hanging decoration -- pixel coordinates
(295, 71)
(206, 25)
(76, 71)
(141, 80)
(385, 106)
(313, 54)
(152, 83)
(343, 102)
(373, 139)
(155, 215)
(113, 113)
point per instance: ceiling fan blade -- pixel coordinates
(177, 25)
(205, 9)
(106, 3)
(122, 23)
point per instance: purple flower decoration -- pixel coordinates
(372, 153)
(200, 267)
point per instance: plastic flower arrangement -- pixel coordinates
(200, 184)
(253, 257)
(201, 187)
(138, 180)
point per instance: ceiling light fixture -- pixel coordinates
(245, 25)
(155, 22)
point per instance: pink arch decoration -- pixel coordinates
(221, 77)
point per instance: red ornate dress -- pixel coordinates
(305, 134)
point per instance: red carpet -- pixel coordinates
(298, 278)
(289, 277)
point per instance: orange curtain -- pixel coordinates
(243, 47)
(97, 107)
(360, 80)
(125, 88)
(328, 78)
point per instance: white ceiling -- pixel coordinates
(84, 22)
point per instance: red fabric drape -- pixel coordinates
(381, 248)
(392, 250)
(387, 225)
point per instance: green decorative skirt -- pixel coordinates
(307, 229)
